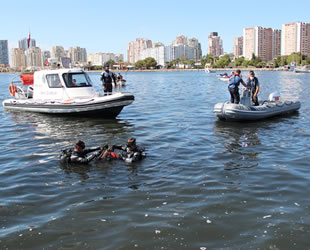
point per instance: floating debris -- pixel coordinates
(157, 231)
(267, 216)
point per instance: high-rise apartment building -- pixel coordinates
(134, 48)
(57, 52)
(77, 54)
(100, 59)
(33, 57)
(276, 43)
(173, 52)
(295, 38)
(4, 52)
(238, 46)
(157, 52)
(45, 56)
(26, 43)
(260, 42)
(180, 40)
(18, 59)
(193, 42)
(215, 44)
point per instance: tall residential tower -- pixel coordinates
(261, 42)
(295, 38)
(4, 52)
(215, 44)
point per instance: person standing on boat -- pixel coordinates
(106, 78)
(253, 84)
(233, 87)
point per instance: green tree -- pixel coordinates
(208, 59)
(239, 61)
(245, 63)
(283, 61)
(150, 62)
(111, 62)
(191, 62)
(140, 64)
(223, 61)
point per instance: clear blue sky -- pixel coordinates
(108, 26)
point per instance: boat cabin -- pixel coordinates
(58, 84)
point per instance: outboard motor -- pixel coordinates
(246, 98)
(274, 96)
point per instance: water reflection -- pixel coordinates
(240, 141)
(68, 127)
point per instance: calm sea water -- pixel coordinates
(205, 184)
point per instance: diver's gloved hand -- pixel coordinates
(97, 153)
(105, 147)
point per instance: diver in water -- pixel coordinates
(79, 154)
(131, 152)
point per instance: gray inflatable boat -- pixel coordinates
(245, 111)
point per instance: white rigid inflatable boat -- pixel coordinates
(64, 92)
(245, 111)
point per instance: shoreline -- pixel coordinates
(213, 70)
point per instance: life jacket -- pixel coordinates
(253, 86)
(65, 155)
(231, 82)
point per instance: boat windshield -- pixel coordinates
(76, 80)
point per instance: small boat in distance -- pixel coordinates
(63, 92)
(224, 79)
(208, 70)
(245, 111)
(304, 69)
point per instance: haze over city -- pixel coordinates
(110, 26)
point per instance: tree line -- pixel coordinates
(225, 61)
(229, 61)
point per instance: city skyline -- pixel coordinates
(106, 27)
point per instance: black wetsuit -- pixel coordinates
(129, 155)
(107, 77)
(82, 157)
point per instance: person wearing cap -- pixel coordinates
(131, 152)
(233, 86)
(253, 84)
(106, 78)
(81, 155)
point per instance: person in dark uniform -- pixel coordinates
(81, 155)
(131, 152)
(106, 78)
(253, 84)
(233, 86)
